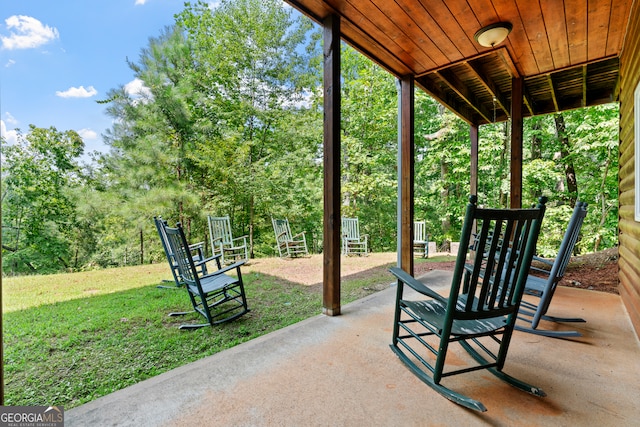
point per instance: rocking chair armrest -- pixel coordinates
(235, 265)
(244, 238)
(416, 285)
(196, 246)
(301, 234)
(206, 260)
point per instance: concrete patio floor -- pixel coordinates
(339, 371)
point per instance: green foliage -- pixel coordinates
(38, 210)
(369, 148)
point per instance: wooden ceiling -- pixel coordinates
(566, 52)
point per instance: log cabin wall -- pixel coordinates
(628, 228)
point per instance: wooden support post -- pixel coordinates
(331, 229)
(406, 166)
(516, 143)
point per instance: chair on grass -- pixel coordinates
(222, 241)
(289, 245)
(543, 288)
(217, 296)
(197, 252)
(420, 239)
(479, 316)
(352, 242)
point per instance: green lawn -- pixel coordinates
(71, 338)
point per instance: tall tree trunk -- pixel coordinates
(504, 166)
(565, 159)
(536, 146)
(141, 248)
(536, 142)
(251, 223)
(444, 194)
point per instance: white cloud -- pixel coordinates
(10, 119)
(11, 136)
(136, 88)
(27, 33)
(88, 134)
(9, 63)
(140, 2)
(77, 92)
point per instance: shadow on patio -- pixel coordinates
(339, 371)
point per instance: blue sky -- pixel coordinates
(58, 57)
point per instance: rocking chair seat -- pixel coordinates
(433, 312)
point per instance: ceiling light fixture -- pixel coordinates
(493, 34)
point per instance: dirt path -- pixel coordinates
(598, 271)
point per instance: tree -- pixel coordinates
(251, 72)
(149, 169)
(38, 211)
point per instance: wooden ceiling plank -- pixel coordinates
(385, 32)
(438, 52)
(460, 28)
(385, 59)
(576, 17)
(599, 13)
(314, 9)
(451, 79)
(536, 34)
(620, 10)
(517, 42)
(484, 12)
(556, 25)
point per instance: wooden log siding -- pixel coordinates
(628, 228)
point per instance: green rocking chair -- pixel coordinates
(481, 309)
(217, 296)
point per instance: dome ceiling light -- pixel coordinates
(493, 34)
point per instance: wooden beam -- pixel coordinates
(459, 109)
(490, 86)
(331, 144)
(452, 80)
(516, 143)
(406, 165)
(552, 90)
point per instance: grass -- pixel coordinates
(71, 338)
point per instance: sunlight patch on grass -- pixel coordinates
(20, 293)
